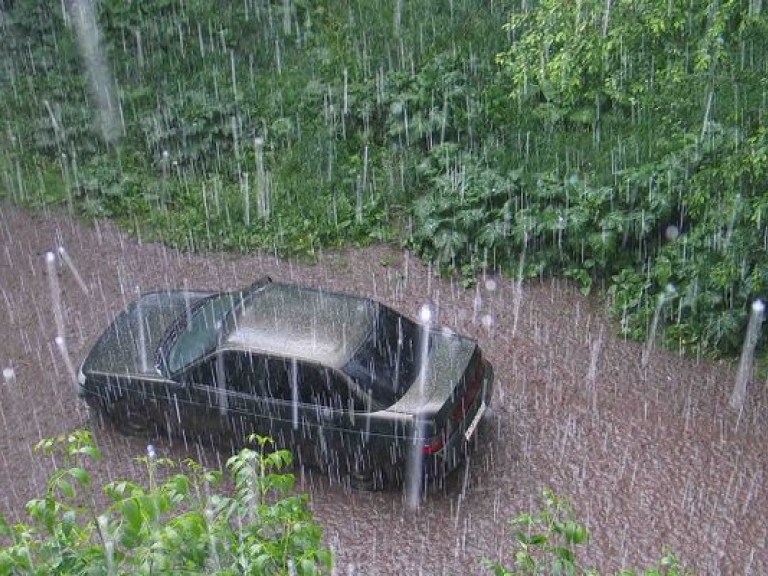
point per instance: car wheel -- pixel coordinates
(134, 418)
(369, 476)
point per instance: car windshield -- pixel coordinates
(388, 361)
(199, 334)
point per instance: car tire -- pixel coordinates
(367, 480)
(133, 418)
(368, 475)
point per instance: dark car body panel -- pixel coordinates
(278, 369)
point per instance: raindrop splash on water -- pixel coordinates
(747, 355)
(9, 375)
(662, 298)
(595, 352)
(518, 294)
(414, 473)
(62, 346)
(79, 279)
(55, 290)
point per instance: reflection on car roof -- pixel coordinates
(295, 321)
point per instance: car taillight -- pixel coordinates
(433, 445)
(474, 384)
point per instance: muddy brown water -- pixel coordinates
(650, 457)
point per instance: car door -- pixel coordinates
(291, 401)
(261, 397)
(208, 401)
(251, 409)
(328, 409)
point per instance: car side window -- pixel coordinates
(246, 373)
(321, 386)
(277, 379)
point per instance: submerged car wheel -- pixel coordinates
(367, 480)
(368, 475)
(134, 418)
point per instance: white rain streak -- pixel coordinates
(747, 358)
(102, 84)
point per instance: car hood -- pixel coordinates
(130, 343)
(449, 356)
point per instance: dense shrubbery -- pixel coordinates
(565, 142)
(184, 524)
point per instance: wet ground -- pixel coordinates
(650, 456)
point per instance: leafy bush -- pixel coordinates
(549, 539)
(573, 61)
(567, 146)
(183, 524)
(466, 216)
(719, 263)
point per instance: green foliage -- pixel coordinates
(184, 524)
(466, 216)
(549, 540)
(565, 142)
(656, 67)
(718, 266)
(573, 61)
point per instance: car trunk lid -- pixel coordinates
(452, 393)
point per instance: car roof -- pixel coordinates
(304, 323)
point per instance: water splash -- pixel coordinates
(102, 84)
(55, 292)
(61, 344)
(414, 473)
(9, 375)
(517, 297)
(662, 298)
(73, 270)
(747, 355)
(595, 353)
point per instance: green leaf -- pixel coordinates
(5, 529)
(132, 514)
(575, 533)
(81, 475)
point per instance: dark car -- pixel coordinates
(348, 383)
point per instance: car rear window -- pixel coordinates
(387, 363)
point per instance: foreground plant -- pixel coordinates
(186, 524)
(548, 542)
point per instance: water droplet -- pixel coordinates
(9, 374)
(671, 232)
(425, 313)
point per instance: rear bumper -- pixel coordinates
(455, 451)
